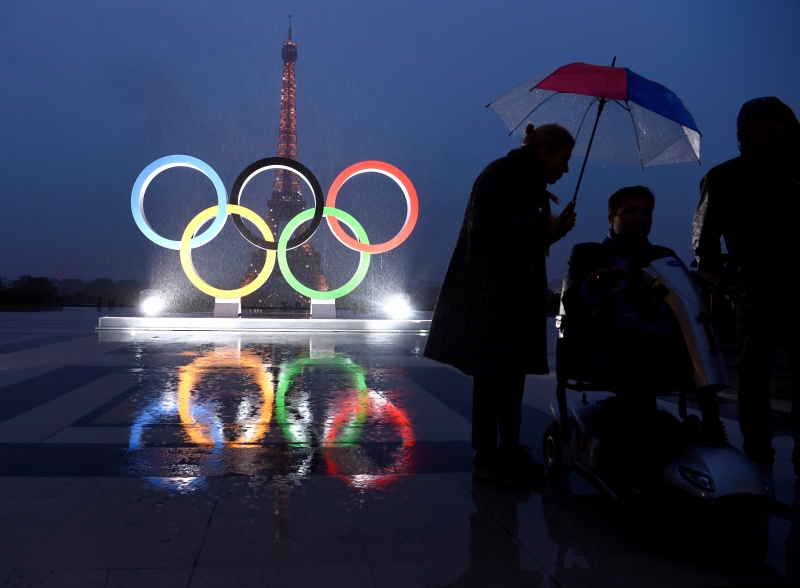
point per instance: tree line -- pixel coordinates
(40, 293)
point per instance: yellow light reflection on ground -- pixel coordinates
(198, 424)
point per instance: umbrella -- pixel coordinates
(642, 123)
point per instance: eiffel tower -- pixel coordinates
(286, 202)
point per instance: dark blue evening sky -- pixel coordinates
(92, 92)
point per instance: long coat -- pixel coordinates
(490, 314)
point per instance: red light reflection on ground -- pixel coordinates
(347, 424)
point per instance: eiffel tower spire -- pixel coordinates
(287, 200)
(286, 181)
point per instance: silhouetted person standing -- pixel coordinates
(489, 320)
(753, 201)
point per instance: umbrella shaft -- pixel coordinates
(589, 148)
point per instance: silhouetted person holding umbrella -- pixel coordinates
(490, 320)
(753, 201)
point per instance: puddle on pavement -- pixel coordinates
(308, 409)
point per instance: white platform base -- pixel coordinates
(159, 323)
(227, 307)
(323, 309)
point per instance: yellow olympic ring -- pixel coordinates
(186, 252)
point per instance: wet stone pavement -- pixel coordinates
(179, 459)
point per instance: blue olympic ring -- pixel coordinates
(155, 168)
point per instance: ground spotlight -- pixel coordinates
(150, 302)
(398, 306)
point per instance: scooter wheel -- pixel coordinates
(553, 451)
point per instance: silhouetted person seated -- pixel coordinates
(635, 345)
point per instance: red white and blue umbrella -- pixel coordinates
(642, 123)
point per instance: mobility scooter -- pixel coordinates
(714, 477)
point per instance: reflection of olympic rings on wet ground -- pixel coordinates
(201, 424)
(346, 420)
(199, 417)
(193, 238)
(205, 389)
(347, 426)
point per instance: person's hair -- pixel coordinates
(552, 137)
(754, 111)
(617, 198)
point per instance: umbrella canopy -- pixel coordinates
(642, 122)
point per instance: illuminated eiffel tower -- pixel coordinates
(286, 202)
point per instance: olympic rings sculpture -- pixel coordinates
(230, 205)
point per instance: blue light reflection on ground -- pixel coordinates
(178, 485)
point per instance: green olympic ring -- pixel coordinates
(363, 261)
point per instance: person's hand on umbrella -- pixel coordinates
(563, 223)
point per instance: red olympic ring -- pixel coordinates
(405, 185)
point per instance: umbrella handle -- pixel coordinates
(591, 140)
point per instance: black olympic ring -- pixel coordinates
(280, 162)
